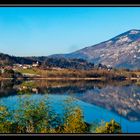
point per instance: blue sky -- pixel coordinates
(42, 31)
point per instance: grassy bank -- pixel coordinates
(78, 74)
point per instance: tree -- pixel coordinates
(109, 127)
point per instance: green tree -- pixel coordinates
(73, 118)
(109, 127)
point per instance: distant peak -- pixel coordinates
(134, 31)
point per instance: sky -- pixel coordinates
(42, 31)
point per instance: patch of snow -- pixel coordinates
(109, 42)
(116, 54)
(132, 51)
(102, 55)
(135, 56)
(124, 39)
(134, 32)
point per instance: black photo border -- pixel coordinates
(72, 3)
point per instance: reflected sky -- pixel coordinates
(98, 100)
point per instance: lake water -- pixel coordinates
(99, 100)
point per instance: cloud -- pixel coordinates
(73, 48)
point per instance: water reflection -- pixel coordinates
(121, 98)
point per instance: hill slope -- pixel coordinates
(122, 51)
(46, 62)
(6, 59)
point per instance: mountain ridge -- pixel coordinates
(121, 51)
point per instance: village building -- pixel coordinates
(27, 66)
(35, 64)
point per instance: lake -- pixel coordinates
(99, 100)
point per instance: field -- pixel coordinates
(77, 74)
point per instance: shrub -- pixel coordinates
(5, 125)
(109, 127)
(39, 117)
(74, 122)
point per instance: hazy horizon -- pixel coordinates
(43, 31)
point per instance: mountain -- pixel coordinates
(122, 51)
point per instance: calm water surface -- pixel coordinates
(99, 100)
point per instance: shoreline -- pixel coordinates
(53, 78)
(63, 78)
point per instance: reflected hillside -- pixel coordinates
(122, 97)
(124, 100)
(67, 87)
(8, 87)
